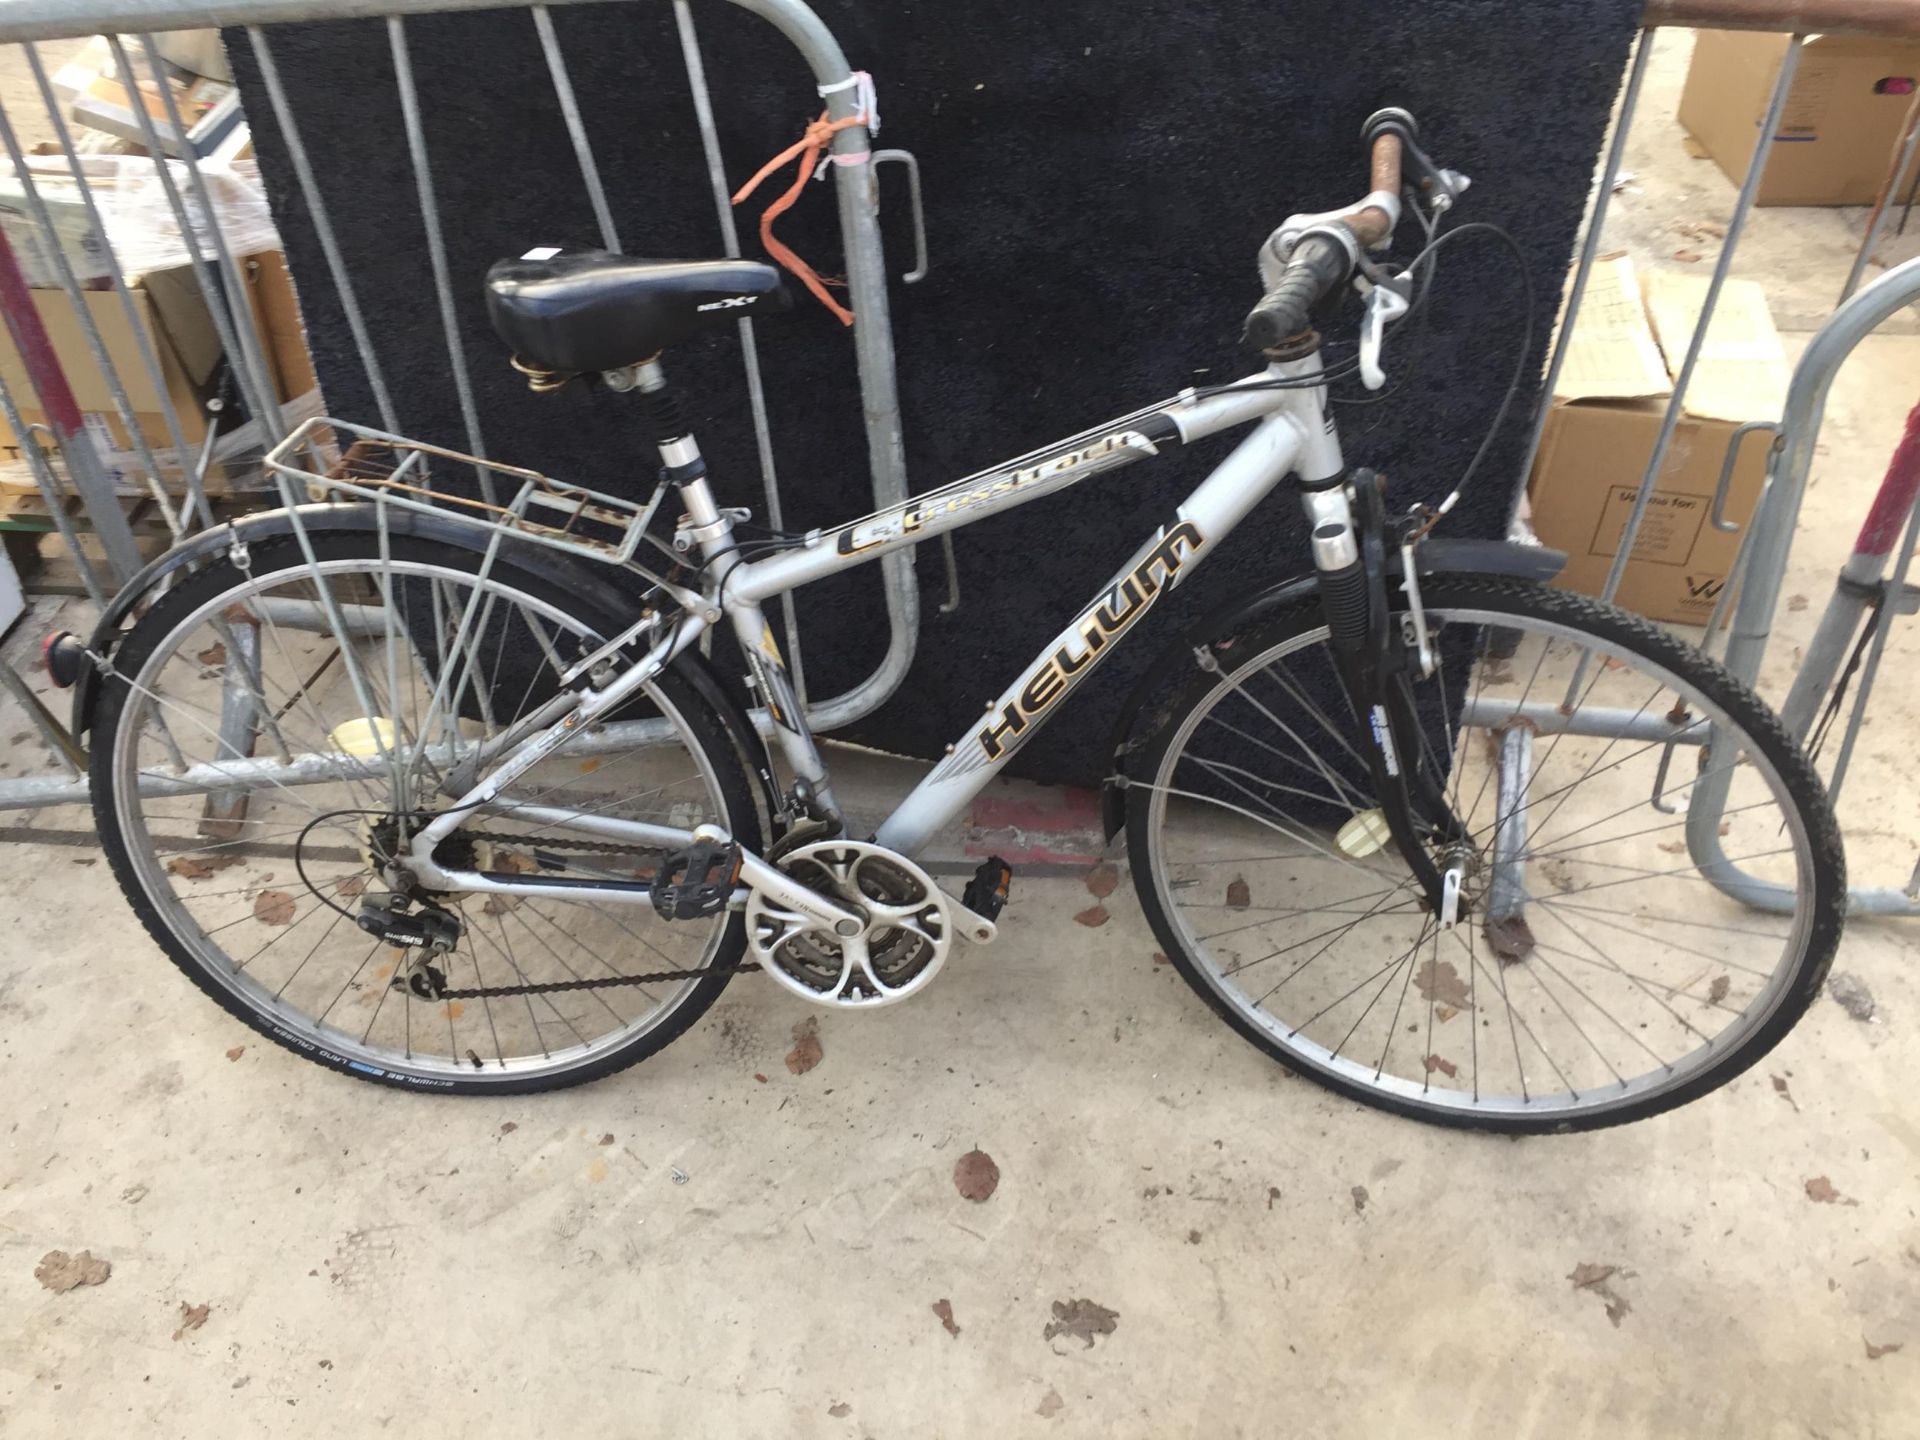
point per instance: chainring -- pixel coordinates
(908, 932)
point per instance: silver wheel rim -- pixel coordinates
(332, 1041)
(1365, 1071)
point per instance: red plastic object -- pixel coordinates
(1895, 501)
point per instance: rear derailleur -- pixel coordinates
(413, 926)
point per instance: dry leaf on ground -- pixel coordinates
(1874, 1352)
(1437, 980)
(1588, 1276)
(198, 867)
(1820, 1190)
(1102, 880)
(1092, 916)
(1050, 1405)
(1083, 1319)
(944, 1309)
(273, 907)
(806, 1052)
(192, 1317)
(60, 1272)
(975, 1175)
(1239, 897)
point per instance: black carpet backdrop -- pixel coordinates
(1099, 175)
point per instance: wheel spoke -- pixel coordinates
(426, 659)
(1590, 971)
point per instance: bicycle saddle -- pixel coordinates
(585, 310)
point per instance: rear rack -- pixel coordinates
(393, 470)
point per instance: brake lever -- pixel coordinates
(1385, 302)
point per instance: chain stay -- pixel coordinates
(658, 977)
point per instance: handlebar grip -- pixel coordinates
(1318, 266)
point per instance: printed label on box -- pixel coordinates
(1668, 531)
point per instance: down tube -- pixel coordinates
(1256, 465)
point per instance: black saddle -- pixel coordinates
(586, 310)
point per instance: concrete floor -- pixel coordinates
(1279, 1261)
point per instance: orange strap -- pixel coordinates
(808, 148)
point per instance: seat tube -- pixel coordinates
(767, 671)
(710, 529)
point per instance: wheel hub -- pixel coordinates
(387, 839)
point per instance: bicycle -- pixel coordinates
(1423, 828)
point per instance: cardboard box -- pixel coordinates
(276, 309)
(84, 247)
(171, 314)
(1606, 415)
(1844, 114)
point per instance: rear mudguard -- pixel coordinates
(579, 577)
(1136, 725)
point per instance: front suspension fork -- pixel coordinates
(1375, 666)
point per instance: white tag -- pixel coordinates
(541, 252)
(105, 446)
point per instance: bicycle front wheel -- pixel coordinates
(1654, 881)
(343, 695)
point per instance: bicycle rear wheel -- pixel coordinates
(1655, 891)
(339, 695)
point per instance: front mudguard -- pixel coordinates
(1139, 720)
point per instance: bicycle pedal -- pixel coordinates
(696, 882)
(986, 894)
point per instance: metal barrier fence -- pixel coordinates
(131, 27)
(1748, 599)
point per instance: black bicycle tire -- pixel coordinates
(720, 747)
(1527, 599)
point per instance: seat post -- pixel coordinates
(681, 459)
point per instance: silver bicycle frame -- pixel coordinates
(1293, 433)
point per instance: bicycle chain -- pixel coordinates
(659, 977)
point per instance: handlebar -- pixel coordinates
(1373, 227)
(1320, 264)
